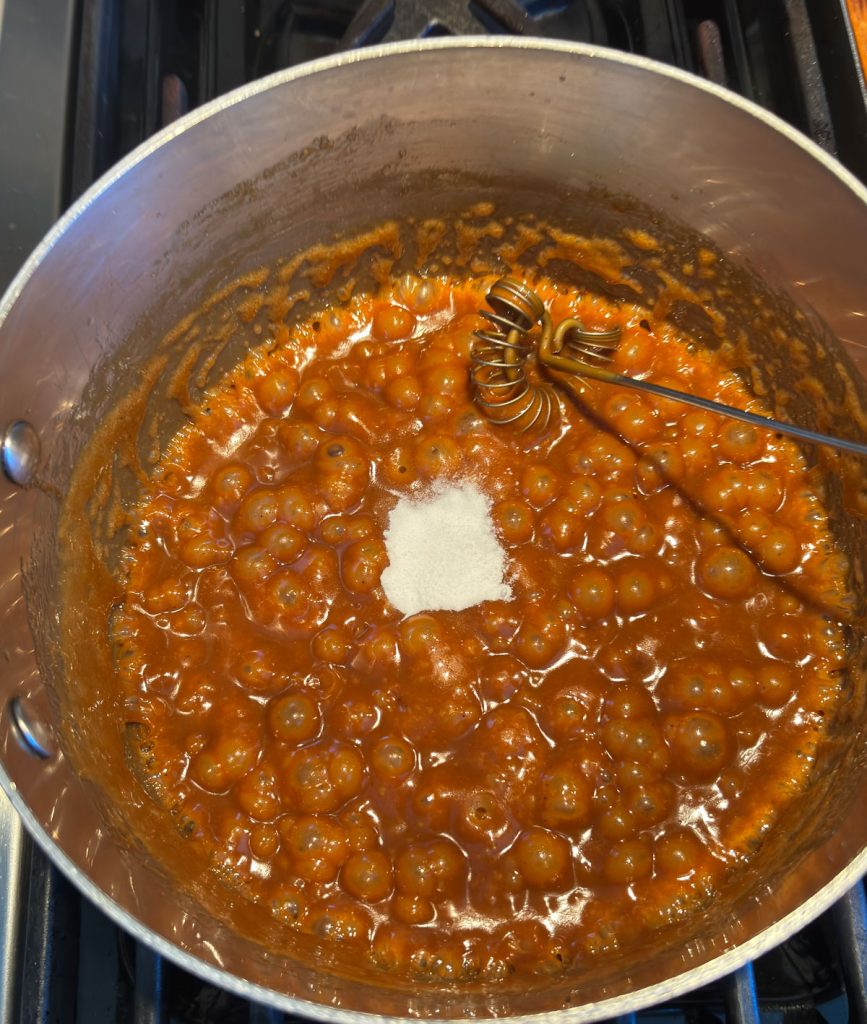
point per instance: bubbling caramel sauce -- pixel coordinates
(523, 786)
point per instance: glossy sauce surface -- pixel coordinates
(522, 786)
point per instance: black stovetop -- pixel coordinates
(82, 82)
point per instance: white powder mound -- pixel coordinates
(443, 552)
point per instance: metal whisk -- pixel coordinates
(499, 359)
(572, 348)
(500, 354)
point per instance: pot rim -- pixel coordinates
(614, 1006)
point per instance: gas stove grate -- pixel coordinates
(794, 57)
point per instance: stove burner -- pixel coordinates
(584, 20)
(291, 31)
(383, 21)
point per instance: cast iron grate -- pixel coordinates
(137, 64)
(142, 62)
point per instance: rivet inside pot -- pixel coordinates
(32, 733)
(20, 451)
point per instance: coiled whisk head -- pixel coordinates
(499, 357)
(503, 389)
(513, 306)
(573, 339)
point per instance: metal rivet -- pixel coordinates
(20, 452)
(32, 733)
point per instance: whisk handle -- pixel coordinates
(736, 414)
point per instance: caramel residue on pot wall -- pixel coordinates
(428, 237)
(601, 256)
(324, 261)
(471, 236)
(642, 240)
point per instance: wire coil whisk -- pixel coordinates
(499, 357)
(505, 393)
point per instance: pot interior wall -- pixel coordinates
(423, 135)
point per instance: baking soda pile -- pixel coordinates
(443, 552)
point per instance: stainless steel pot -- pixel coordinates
(582, 134)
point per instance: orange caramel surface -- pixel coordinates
(522, 786)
